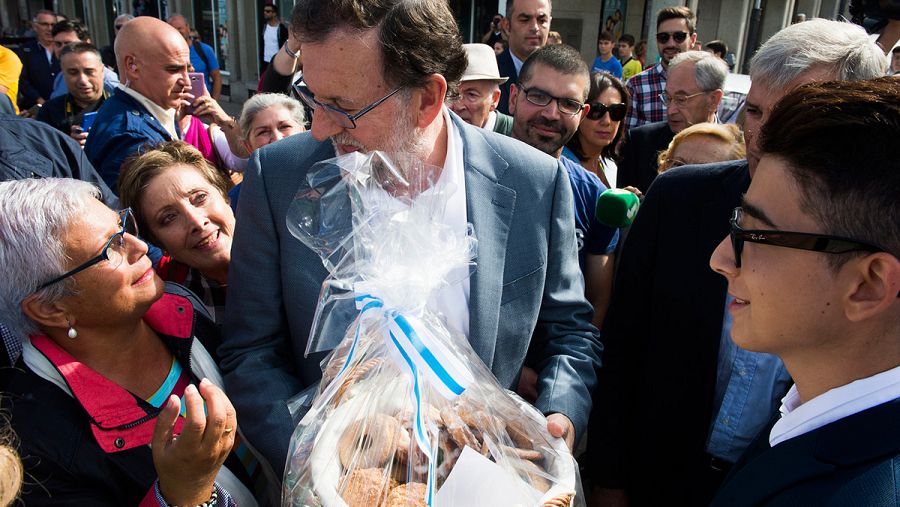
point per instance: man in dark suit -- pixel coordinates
(693, 92)
(675, 393)
(143, 111)
(825, 297)
(39, 64)
(526, 295)
(528, 23)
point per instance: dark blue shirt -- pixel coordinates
(593, 237)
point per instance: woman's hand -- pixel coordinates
(209, 110)
(187, 464)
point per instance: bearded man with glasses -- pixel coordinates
(675, 33)
(376, 75)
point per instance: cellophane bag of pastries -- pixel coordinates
(406, 413)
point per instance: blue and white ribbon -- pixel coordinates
(415, 349)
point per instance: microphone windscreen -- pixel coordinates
(617, 208)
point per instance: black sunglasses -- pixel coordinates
(663, 37)
(616, 111)
(798, 240)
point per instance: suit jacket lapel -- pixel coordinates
(489, 207)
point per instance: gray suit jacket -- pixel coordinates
(527, 292)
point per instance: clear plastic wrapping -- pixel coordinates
(406, 414)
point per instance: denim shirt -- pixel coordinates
(749, 387)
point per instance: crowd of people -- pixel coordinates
(741, 335)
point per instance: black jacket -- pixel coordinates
(639, 153)
(507, 69)
(36, 80)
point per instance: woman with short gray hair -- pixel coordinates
(112, 360)
(268, 117)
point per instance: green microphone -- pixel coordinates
(617, 208)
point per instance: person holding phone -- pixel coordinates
(82, 69)
(494, 32)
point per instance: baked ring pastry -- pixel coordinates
(367, 487)
(411, 494)
(369, 442)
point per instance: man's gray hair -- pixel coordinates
(262, 101)
(123, 17)
(842, 47)
(710, 71)
(34, 217)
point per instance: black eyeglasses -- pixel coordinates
(338, 115)
(797, 240)
(678, 100)
(541, 98)
(114, 251)
(663, 37)
(598, 110)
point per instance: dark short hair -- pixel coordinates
(839, 142)
(72, 25)
(510, 7)
(271, 6)
(560, 57)
(895, 50)
(678, 12)
(627, 38)
(604, 35)
(717, 46)
(79, 47)
(600, 81)
(418, 37)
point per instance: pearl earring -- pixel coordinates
(72, 332)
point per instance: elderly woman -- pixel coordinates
(180, 203)
(703, 143)
(266, 118)
(595, 144)
(114, 362)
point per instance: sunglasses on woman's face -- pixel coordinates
(663, 37)
(598, 110)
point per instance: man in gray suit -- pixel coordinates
(526, 296)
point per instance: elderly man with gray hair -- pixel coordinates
(692, 95)
(676, 394)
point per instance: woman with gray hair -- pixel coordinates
(266, 118)
(113, 362)
(269, 117)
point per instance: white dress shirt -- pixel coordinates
(838, 403)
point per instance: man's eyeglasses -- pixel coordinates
(45, 24)
(663, 37)
(541, 98)
(114, 251)
(338, 115)
(678, 100)
(797, 240)
(616, 111)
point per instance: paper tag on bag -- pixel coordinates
(476, 481)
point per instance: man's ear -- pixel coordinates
(874, 286)
(495, 99)
(431, 100)
(715, 98)
(46, 314)
(513, 94)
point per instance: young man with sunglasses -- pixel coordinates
(692, 95)
(272, 35)
(675, 393)
(675, 33)
(547, 105)
(813, 270)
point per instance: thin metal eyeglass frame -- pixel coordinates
(678, 100)
(104, 254)
(309, 99)
(796, 240)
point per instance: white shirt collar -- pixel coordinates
(799, 418)
(491, 121)
(516, 62)
(166, 117)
